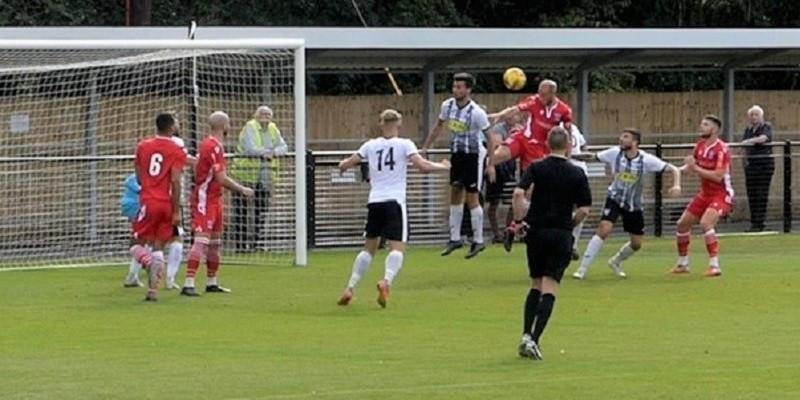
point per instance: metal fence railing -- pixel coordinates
(337, 202)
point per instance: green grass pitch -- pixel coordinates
(450, 331)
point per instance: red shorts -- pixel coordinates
(526, 149)
(703, 202)
(154, 222)
(207, 219)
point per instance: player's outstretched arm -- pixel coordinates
(428, 166)
(586, 157)
(675, 190)
(349, 162)
(493, 118)
(230, 184)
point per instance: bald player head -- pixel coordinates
(547, 90)
(219, 122)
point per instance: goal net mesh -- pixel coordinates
(70, 121)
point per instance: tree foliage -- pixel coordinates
(447, 13)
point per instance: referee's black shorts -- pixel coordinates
(549, 252)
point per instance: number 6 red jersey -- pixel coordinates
(155, 158)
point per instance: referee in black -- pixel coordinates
(557, 189)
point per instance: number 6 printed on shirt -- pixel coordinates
(155, 164)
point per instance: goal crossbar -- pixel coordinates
(144, 44)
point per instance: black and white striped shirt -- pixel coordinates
(466, 125)
(626, 189)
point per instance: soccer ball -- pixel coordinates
(514, 78)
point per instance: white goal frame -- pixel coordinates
(296, 45)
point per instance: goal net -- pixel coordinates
(72, 112)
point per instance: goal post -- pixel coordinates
(72, 111)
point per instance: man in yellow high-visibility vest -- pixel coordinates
(260, 144)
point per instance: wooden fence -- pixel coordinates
(340, 121)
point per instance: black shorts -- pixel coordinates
(466, 171)
(549, 252)
(632, 221)
(387, 220)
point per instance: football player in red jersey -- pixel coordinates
(546, 111)
(210, 178)
(529, 145)
(159, 165)
(711, 162)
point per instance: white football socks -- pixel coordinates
(456, 215)
(360, 267)
(394, 261)
(133, 272)
(624, 252)
(476, 218)
(174, 259)
(591, 252)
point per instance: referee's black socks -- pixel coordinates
(531, 304)
(543, 314)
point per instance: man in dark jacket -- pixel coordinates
(758, 165)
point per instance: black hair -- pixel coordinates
(164, 122)
(468, 79)
(635, 132)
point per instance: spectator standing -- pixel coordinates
(758, 165)
(259, 146)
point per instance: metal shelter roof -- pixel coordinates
(417, 49)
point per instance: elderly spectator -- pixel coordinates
(758, 165)
(260, 143)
